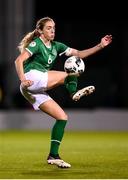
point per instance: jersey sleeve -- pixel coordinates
(63, 49)
(32, 48)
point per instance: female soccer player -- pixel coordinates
(38, 52)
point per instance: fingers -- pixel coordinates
(108, 37)
(26, 83)
(30, 83)
(106, 40)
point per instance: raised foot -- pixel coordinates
(83, 92)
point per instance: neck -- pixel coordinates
(45, 41)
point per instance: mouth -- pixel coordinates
(52, 36)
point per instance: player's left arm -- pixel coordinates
(105, 41)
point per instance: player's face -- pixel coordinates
(49, 30)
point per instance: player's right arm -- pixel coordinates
(20, 70)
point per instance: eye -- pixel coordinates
(54, 28)
(48, 28)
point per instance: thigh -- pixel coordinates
(39, 79)
(56, 78)
(53, 109)
(35, 99)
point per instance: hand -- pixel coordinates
(106, 40)
(26, 83)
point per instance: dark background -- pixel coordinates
(79, 25)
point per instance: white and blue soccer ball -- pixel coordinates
(74, 65)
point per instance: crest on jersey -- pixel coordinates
(32, 44)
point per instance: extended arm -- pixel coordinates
(105, 41)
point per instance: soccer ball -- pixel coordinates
(74, 65)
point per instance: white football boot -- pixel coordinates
(58, 161)
(83, 92)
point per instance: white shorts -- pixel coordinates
(36, 94)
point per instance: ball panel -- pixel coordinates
(74, 65)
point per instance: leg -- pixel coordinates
(56, 78)
(53, 109)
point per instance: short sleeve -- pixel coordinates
(64, 49)
(61, 47)
(32, 48)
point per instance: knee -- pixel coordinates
(62, 79)
(63, 116)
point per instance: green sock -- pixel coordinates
(56, 136)
(71, 84)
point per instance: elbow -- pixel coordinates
(79, 54)
(17, 61)
(83, 55)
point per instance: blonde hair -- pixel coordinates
(32, 35)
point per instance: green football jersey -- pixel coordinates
(42, 57)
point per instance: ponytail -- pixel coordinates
(27, 39)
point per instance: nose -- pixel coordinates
(53, 30)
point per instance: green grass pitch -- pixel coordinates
(93, 155)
